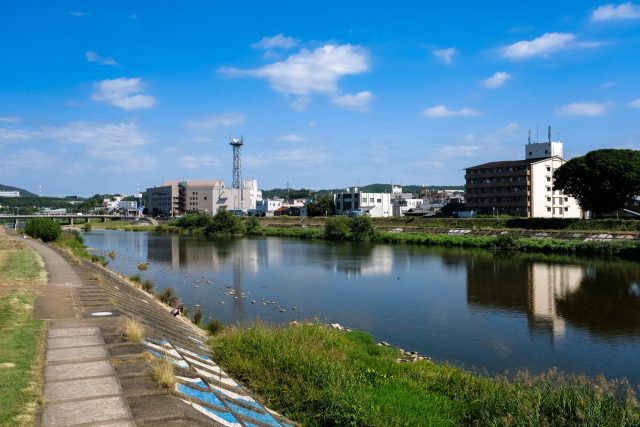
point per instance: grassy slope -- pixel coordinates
(320, 376)
(20, 335)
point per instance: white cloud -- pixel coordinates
(542, 46)
(77, 13)
(446, 55)
(451, 151)
(305, 156)
(584, 109)
(214, 122)
(497, 80)
(502, 134)
(607, 85)
(116, 141)
(292, 137)
(26, 159)
(610, 12)
(310, 71)
(9, 119)
(277, 41)
(94, 57)
(192, 162)
(442, 111)
(358, 102)
(123, 93)
(12, 135)
(634, 103)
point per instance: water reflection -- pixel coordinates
(463, 306)
(597, 296)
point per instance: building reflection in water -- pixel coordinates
(193, 256)
(599, 297)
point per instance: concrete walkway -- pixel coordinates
(80, 385)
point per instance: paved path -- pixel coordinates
(94, 376)
(80, 385)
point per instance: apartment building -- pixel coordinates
(521, 187)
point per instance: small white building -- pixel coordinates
(354, 202)
(267, 207)
(9, 194)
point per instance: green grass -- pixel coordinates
(319, 376)
(23, 266)
(20, 341)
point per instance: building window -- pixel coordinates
(379, 200)
(548, 179)
(548, 168)
(548, 209)
(566, 208)
(548, 188)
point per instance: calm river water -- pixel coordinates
(469, 308)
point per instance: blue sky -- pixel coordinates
(102, 96)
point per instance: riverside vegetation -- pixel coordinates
(361, 228)
(321, 376)
(21, 336)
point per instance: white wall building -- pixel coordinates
(9, 194)
(268, 206)
(356, 202)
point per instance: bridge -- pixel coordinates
(68, 217)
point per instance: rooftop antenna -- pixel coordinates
(529, 136)
(549, 133)
(558, 136)
(537, 132)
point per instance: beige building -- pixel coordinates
(204, 196)
(521, 187)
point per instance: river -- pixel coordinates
(465, 307)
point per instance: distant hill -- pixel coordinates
(370, 188)
(23, 193)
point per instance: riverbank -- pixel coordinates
(321, 376)
(611, 242)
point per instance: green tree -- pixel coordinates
(224, 223)
(321, 206)
(361, 227)
(44, 229)
(253, 225)
(337, 228)
(602, 180)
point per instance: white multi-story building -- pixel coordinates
(359, 203)
(9, 194)
(267, 207)
(521, 187)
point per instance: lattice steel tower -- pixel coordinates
(236, 144)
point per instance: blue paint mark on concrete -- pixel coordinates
(163, 342)
(227, 416)
(204, 357)
(257, 416)
(202, 396)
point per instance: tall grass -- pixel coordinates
(320, 376)
(133, 329)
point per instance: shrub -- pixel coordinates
(197, 315)
(224, 223)
(253, 225)
(87, 227)
(133, 330)
(162, 372)
(193, 221)
(505, 242)
(361, 227)
(214, 327)
(112, 254)
(142, 266)
(135, 278)
(147, 285)
(337, 228)
(44, 229)
(168, 296)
